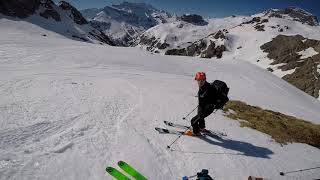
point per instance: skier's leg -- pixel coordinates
(202, 123)
(203, 114)
(195, 124)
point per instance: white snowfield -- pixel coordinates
(307, 53)
(70, 109)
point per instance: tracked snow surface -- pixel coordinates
(68, 109)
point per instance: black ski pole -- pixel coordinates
(283, 173)
(190, 113)
(169, 146)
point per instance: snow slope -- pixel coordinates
(68, 109)
(62, 19)
(179, 34)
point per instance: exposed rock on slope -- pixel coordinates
(21, 9)
(301, 54)
(74, 13)
(211, 46)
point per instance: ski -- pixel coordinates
(131, 171)
(175, 125)
(116, 174)
(208, 132)
(169, 131)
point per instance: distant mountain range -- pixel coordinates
(126, 21)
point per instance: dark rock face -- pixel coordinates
(270, 69)
(75, 14)
(49, 12)
(20, 9)
(204, 48)
(296, 13)
(194, 19)
(220, 34)
(100, 25)
(306, 78)
(253, 20)
(259, 27)
(283, 49)
(179, 52)
(163, 45)
(102, 37)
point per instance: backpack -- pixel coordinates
(222, 91)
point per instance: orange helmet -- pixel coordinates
(200, 76)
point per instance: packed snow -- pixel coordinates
(307, 53)
(68, 109)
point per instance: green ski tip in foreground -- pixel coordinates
(116, 174)
(131, 171)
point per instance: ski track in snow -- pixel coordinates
(69, 109)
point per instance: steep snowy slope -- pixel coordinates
(68, 109)
(62, 19)
(180, 34)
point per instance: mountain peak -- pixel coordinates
(294, 13)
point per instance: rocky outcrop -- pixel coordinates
(20, 9)
(259, 27)
(193, 19)
(259, 23)
(296, 13)
(284, 50)
(49, 11)
(205, 48)
(25, 8)
(74, 13)
(100, 36)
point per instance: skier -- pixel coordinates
(206, 100)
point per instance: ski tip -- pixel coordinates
(109, 169)
(121, 163)
(168, 147)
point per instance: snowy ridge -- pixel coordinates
(70, 114)
(64, 20)
(180, 34)
(127, 20)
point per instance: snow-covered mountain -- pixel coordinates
(244, 38)
(68, 114)
(126, 21)
(62, 19)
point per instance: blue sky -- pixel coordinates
(210, 8)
